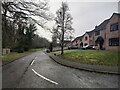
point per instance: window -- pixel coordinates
(114, 42)
(114, 27)
(86, 38)
(97, 33)
(80, 39)
(105, 35)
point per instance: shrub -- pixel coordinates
(26, 48)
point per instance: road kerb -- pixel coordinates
(86, 67)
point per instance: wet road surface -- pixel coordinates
(39, 71)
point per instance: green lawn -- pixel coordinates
(14, 55)
(65, 51)
(98, 57)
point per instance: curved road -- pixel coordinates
(39, 71)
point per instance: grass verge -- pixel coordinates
(97, 57)
(14, 55)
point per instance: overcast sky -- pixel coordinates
(86, 15)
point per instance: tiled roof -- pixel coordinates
(102, 25)
(67, 41)
(90, 33)
(78, 38)
(118, 14)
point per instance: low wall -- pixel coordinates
(5, 51)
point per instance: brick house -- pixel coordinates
(112, 41)
(85, 39)
(77, 41)
(88, 38)
(67, 43)
(100, 31)
(108, 30)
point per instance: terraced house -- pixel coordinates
(105, 36)
(88, 38)
(112, 33)
(77, 41)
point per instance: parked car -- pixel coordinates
(72, 47)
(88, 47)
(47, 50)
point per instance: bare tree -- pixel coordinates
(36, 11)
(21, 12)
(64, 24)
(54, 37)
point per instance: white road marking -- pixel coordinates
(32, 62)
(44, 77)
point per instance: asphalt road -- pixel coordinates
(39, 71)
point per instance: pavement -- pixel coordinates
(86, 67)
(38, 70)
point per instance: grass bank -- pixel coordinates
(97, 57)
(14, 55)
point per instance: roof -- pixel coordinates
(67, 41)
(118, 14)
(104, 23)
(90, 33)
(78, 38)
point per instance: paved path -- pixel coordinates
(39, 71)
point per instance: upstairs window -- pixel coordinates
(114, 27)
(114, 42)
(97, 33)
(80, 39)
(86, 38)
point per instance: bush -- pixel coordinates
(26, 49)
(20, 50)
(103, 49)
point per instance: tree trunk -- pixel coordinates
(62, 47)
(4, 36)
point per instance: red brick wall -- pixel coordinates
(85, 41)
(113, 34)
(106, 34)
(102, 33)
